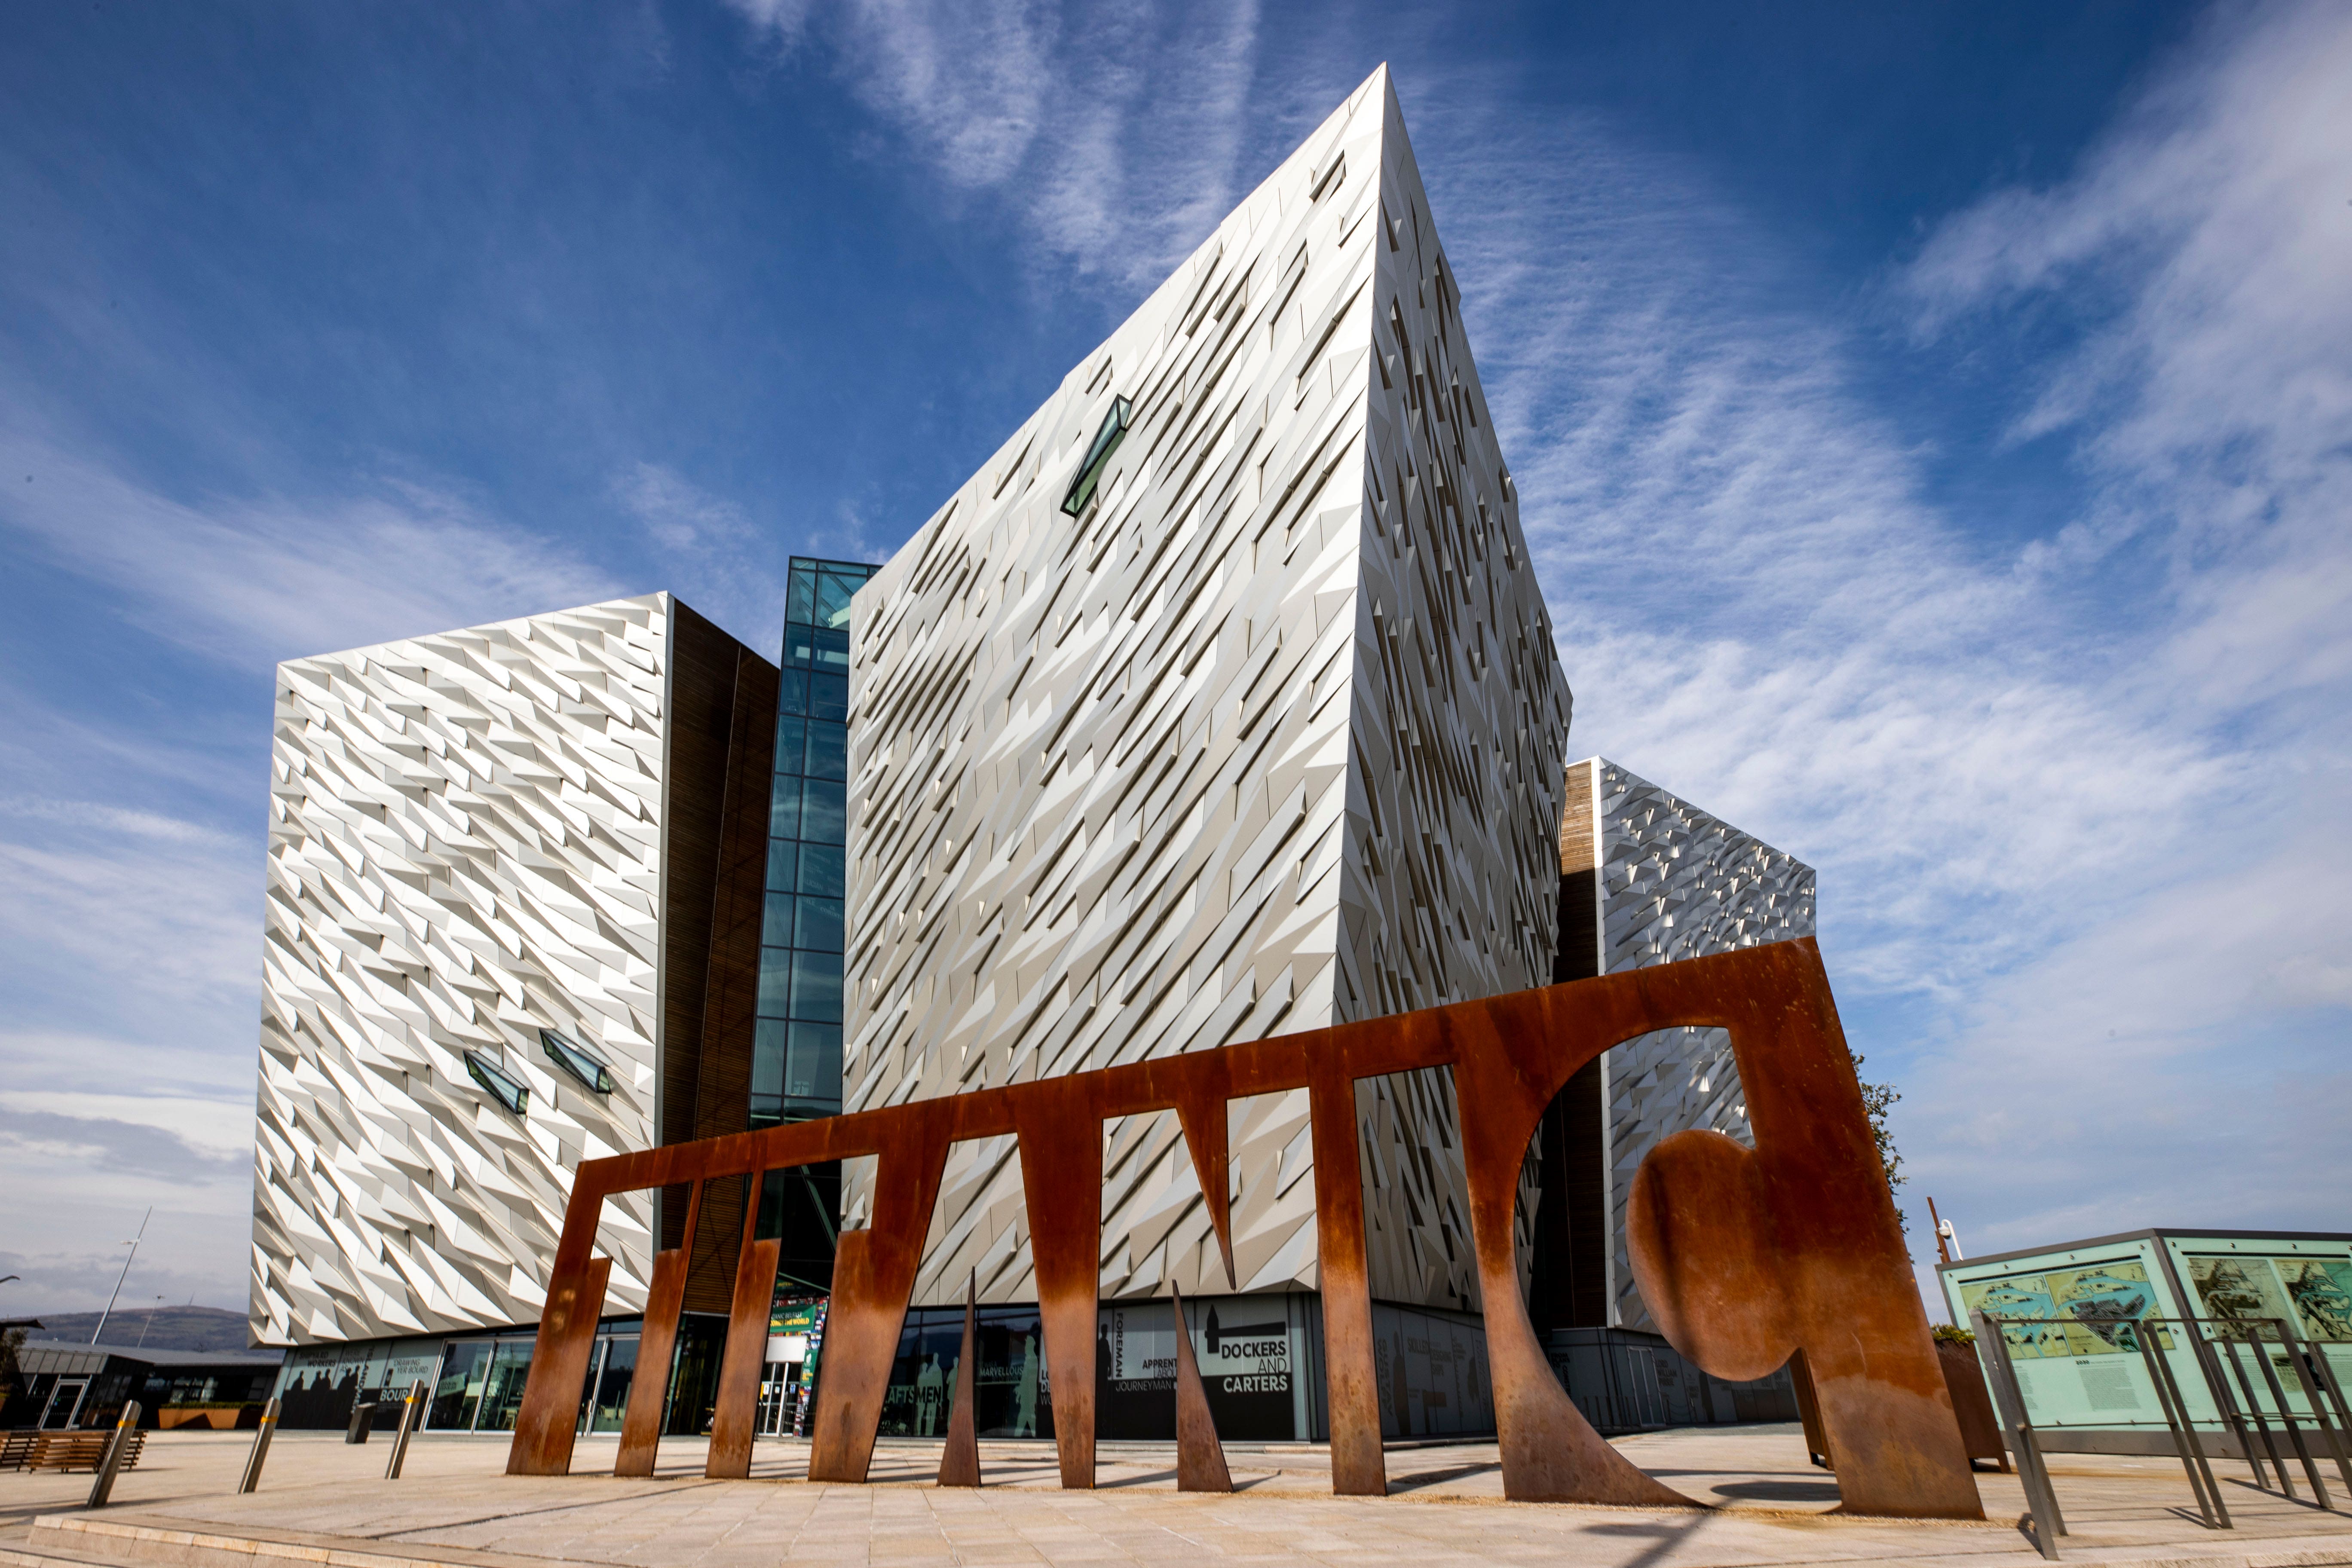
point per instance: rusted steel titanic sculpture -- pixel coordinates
(1744, 1257)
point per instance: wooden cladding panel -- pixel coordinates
(722, 743)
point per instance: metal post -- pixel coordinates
(252, 1476)
(2254, 1413)
(2324, 1371)
(2286, 1416)
(2315, 1390)
(2217, 1385)
(2184, 1436)
(408, 1409)
(2041, 1501)
(116, 1447)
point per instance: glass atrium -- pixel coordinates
(796, 1061)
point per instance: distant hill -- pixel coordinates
(171, 1328)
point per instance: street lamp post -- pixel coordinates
(133, 1245)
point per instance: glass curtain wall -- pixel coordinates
(481, 1382)
(796, 1062)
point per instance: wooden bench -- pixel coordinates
(66, 1450)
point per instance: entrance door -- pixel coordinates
(779, 1381)
(65, 1403)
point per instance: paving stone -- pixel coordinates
(458, 1507)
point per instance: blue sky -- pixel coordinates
(1934, 428)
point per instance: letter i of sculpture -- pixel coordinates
(1200, 1457)
(959, 1461)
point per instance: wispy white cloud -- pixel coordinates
(1759, 600)
(2199, 254)
(1114, 134)
(678, 513)
(112, 820)
(106, 1143)
(2069, 796)
(2201, 250)
(130, 908)
(254, 579)
(151, 932)
(714, 557)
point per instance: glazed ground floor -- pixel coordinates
(1260, 1357)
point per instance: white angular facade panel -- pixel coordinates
(465, 847)
(1264, 738)
(1675, 883)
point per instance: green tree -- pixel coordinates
(1877, 1098)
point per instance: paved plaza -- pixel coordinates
(323, 1500)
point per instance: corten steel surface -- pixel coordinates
(872, 1275)
(567, 1338)
(960, 1455)
(737, 1412)
(1809, 1414)
(641, 1421)
(1200, 1457)
(1972, 1402)
(1744, 1259)
(1059, 1125)
(1350, 1374)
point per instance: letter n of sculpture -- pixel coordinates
(1744, 1257)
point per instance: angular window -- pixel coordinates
(1090, 472)
(579, 1063)
(492, 1075)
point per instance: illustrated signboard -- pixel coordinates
(1248, 1354)
(2103, 1301)
(2307, 1281)
(2315, 1293)
(2085, 1371)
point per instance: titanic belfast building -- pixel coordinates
(1222, 701)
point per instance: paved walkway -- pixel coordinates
(456, 1506)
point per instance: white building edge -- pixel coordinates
(1262, 735)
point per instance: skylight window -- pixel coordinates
(579, 1063)
(1106, 442)
(493, 1077)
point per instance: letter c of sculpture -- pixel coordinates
(1742, 1257)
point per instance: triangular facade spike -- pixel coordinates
(1220, 702)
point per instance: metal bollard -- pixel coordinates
(116, 1447)
(409, 1410)
(252, 1476)
(363, 1419)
